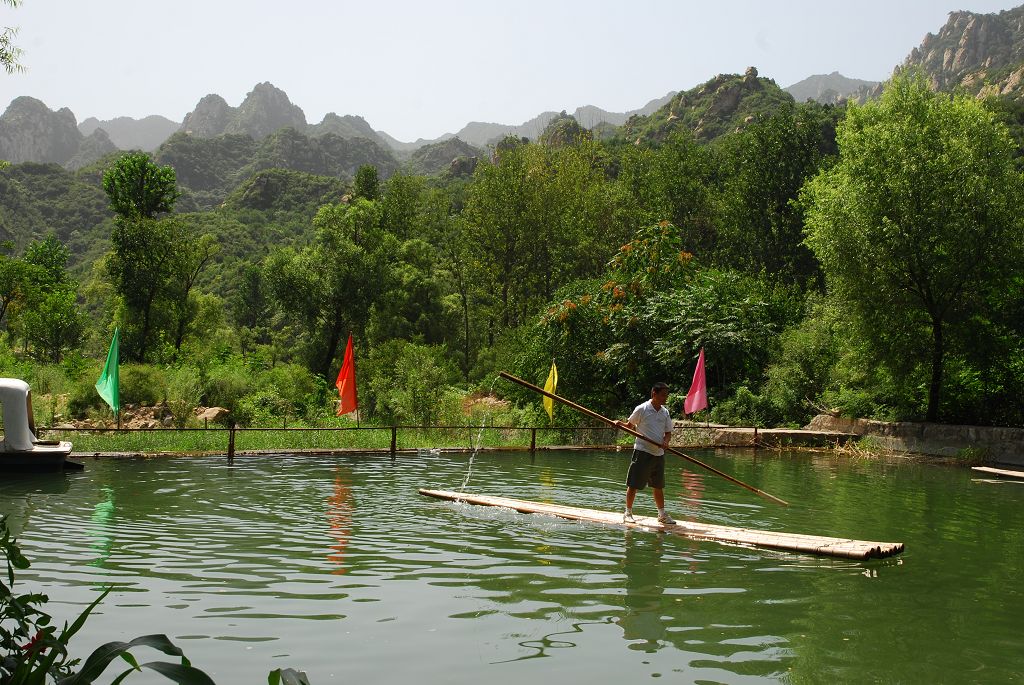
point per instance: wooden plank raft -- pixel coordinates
(1005, 473)
(790, 542)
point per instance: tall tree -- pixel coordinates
(143, 259)
(918, 222)
(12, 277)
(538, 218)
(138, 188)
(330, 286)
(45, 313)
(366, 183)
(761, 225)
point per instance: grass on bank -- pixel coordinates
(292, 439)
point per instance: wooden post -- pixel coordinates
(231, 443)
(533, 441)
(394, 439)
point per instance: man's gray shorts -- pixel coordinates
(646, 469)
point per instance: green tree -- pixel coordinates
(51, 257)
(143, 261)
(676, 182)
(761, 226)
(193, 256)
(44, 309)
(53, 324)
(918, 223)
(411, 308)
(538, 218)
(401, 205)
(138, 188)
(407, 381)
(366, 183)
(330, 287)
(13, 275)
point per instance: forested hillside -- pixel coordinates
(732, 219)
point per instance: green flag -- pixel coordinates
(108, 385)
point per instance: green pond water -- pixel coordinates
(338, 567)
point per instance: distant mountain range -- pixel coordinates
(980, 53)
(133, 134)
(827, 88)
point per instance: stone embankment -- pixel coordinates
(694, 434)
(989, 443)
(998, 445)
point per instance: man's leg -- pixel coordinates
(659, 501)
(659, 498)
(630, 496)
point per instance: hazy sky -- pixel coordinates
(422, 68)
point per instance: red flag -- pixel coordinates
(347, 382)
(697, 398)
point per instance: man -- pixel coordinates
(647, 467)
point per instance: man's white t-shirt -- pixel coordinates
(653, 423)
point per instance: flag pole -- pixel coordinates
(678, 453)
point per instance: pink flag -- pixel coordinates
(697, 398)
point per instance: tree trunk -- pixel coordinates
(935, 389)
(333, 339)
(465, 324)
(145, 326)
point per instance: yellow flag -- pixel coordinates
(551, 386)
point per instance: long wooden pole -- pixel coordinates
(594, 415)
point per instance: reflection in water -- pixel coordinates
(339, 519)
(546, 643)
(643, 606)
(693, 490)
(101, 528)
(17, 491)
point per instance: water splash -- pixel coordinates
(478, 444)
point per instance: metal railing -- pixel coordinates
(582, 436)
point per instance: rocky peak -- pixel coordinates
(443, 156)
(210, 117)
(347, 126)
(95, 146)
(266, 109)
(974, 51)
(31, 132)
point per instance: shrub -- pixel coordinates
(83, 398)
(184, 392)
(744, 408)
(142, 384)
(413, 390)
(227, 384)
(260, 408)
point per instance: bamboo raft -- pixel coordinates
(1004, 473)
(791, 542)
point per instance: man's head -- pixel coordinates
(659, 393)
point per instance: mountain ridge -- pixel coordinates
(980, 54)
